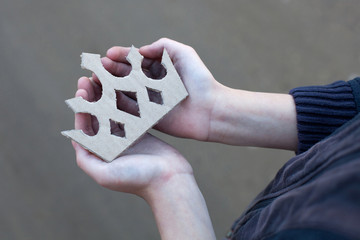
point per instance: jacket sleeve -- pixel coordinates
(323, 109)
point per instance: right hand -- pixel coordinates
(191, 118)
(211, 112)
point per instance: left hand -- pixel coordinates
(154, 171)
(148, 163)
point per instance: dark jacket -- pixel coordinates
(315, 195)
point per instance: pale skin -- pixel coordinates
(157, 172)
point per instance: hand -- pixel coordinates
(191, 118)
(212, 112)
(152, 170)
(149, 162)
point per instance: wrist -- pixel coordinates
(180, 209)
(169, 186)
(254, 119)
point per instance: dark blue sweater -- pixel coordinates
(323, 109)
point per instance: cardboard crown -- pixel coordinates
(169, 91)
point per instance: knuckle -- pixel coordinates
(190, 49)
(164, 39)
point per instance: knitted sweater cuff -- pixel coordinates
(323, 109)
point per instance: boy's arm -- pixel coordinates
(180, 210)
(213, 112)
(254, 119)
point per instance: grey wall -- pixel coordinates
(255, 45)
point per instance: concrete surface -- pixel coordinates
(268, 46)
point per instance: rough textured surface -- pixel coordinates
(106, 145)
(255, 45)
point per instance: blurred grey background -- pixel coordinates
(271, 46)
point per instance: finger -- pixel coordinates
(85, 83)
(154, 69)
(74, 144)
(147, 62)
(127, 104)
(97, 89)
(95, 79)
(155, 50)
(83, 120)
(118, 54)
(91, 164)
(118, 69)
(119, 66)
(117, 129)
(97, 86)
(94, 124)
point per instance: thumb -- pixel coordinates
(155, 50)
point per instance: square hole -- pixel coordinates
(127, 102)
(155, 96)
(117, 129)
